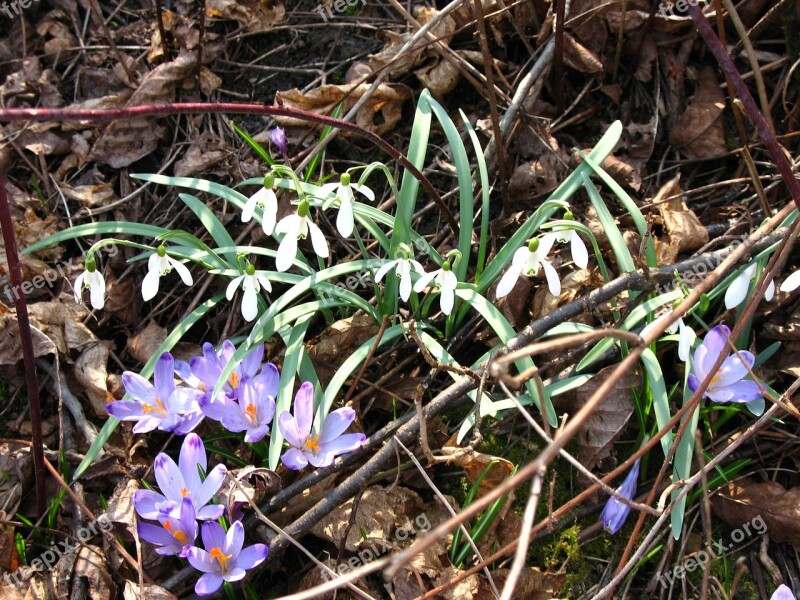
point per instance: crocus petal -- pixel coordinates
(252, 361)
(193, 453)
(508, 281)
(288, 428)
(202, 561)
(207, 584)
(234, 540)
(144, 501)
(782, 593)
(184, 273)
(214, 536)
(318, 241)
(163, 377)
(150, 285)
(579, 252)
(210, 485)
(336, 423)
(210, 512)
(344, 443)
(553, 282)
(741, 391)
(294, 459)
(738, 289)
(234, 574)
(256, 434)
(148, 424)
(714, 344)
(125, 410)
(158, 536)
(304, 407)
(735, 368)
(169, 477)
(790, 284)
(271, 379)
(252, 556)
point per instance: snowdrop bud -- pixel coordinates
(91, 264)
(568, 216)
(533, 244)
(161, 250)
(303, 208)
(250, 269)
(345, 179)
(269, 180)
(446, 265)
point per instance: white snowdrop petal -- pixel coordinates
(78, 287)
(249, 304)
(368, 193)
(508, 281)
(423, 281)
(791, 283)
(579, 252)
(553, 282)
(385, 268)
(287, 250)
(184, 273)
(769, 294)
(231, 289)
(150, 284)
(344, 219)
(737, 291)
(318, 241)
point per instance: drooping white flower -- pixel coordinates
(686, 335)
(445, 280)
(791, 283)
(580, 255)
(737, 291)
(344, 193)
(265, 199)
(402, 265)
(158, 265)
(251, 282)
(526, 262)
(296, 226)
(92, 279)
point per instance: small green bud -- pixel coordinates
(269, 180)
(345, 179)
(161, 250)
(91, 264)
(303, 208)
(446, 265)
(533, 244)
(568, 216)
(250, 269)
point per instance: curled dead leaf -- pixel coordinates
(683, 230)
(91, 373)
(698, 132)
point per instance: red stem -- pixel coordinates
(179, 108)
(26, 339)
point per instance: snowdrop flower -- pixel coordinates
(616, 512)
(344, 193)
(182, 481)
(297, 226)
(580, 255)
(278, 137)
(790, 284)
(158, 265)
(251, 283)
(737, 291)
(445, 280)
(176, 534)
(159, 405)
(402, 266)
(223, 559)
(526, 262)
(686, 336)
(783, 593)
(728, 383)
(255, 408)
(265, 199)
(92, 279)
(309, 446)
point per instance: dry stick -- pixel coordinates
(162, 34)
(488, 65)
(180, 108)
(558, 59)
(26, 340)
(743, 94)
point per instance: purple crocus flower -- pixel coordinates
(159, 405)
(308, 446)
(615, 512)
(182, 481)
(176, 534)
(254, 409)
(782, 593)
(203, 372)
(223, 559)
(728, 383)
(278, 137)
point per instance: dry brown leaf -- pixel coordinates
(381, 512)
(33, 229)
(90, 371)
(16, 466)
(10, 347)
(145, 343)
(474, 463)
(743, 500)
(253, 15)
(599, 432)
(579, 57)
(698, 132)
(386, 101)
(254, 484)
(151, 592)
(532, 584)
(63, 325)
(337, 342)
(204, 153)
(90, 195)
(683, 231)
(120, 506)
(87, 562)
(623, 171)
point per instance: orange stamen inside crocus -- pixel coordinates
(178, 535)
(250, 411)
(216, 554)
(312, 443)
(158, 408)
(184, 492)
(234, 380)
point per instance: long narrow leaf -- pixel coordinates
(655, 379)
